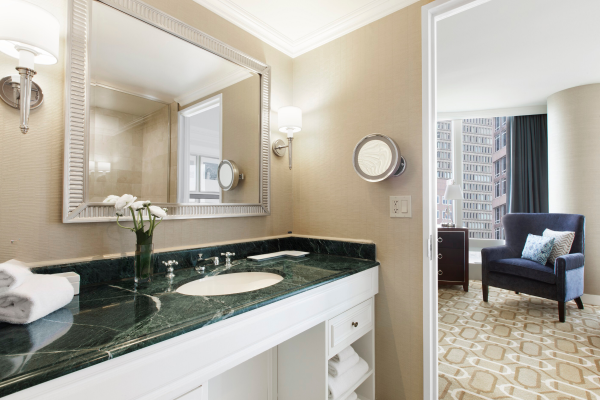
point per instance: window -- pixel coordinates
(484, 168)
(438, 201)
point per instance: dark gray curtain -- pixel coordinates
(529, 164)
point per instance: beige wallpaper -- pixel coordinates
(573, 142)
(368, 81)
(31, 166)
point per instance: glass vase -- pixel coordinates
(143, 264)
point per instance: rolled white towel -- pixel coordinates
(344, 354)
(339, 367)
(352, 396)
(338, 385)
(12, 274)
(37, 297)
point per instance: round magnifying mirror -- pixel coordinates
(228, 174)
(376, 157)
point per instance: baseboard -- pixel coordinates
(591, 299)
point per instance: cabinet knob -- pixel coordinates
(355, 324)
(440, 272)
(440, 256)
(440, 240)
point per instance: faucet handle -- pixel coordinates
(199, 256)
(169, 264)
(228, 254)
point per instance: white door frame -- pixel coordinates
(430, 15)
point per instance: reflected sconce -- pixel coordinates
(290, 122)
(103, 167)
(30, 34)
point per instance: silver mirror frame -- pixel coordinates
(76, 208)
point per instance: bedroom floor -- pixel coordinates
(514, 347)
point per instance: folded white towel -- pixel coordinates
(37, 297)
(344, 354)
(338, 385)
(339, 367)
(12, 274)
(352, 396)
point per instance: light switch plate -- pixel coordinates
(400, 207)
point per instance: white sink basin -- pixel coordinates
(239, 282)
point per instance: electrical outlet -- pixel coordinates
(400, 207)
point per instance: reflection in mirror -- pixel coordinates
(164, 113)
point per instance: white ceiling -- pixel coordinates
(295, 27)
(136, 57)
(122, 102)
(516, 53)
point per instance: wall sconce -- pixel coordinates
(103, 166)
(31, 35)
(290, 122)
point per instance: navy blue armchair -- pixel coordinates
(504, 268)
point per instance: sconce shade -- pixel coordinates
(290, 118)
(453, 192)
(24, 26)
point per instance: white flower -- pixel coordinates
(158, 212)
(140, 204)
(111, 199)
(123, 202)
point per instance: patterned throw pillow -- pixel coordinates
(538, 248)
(562, 243)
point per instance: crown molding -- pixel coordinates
(371, 12)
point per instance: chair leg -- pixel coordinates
(561, 311)
(579, 303)
(466, 286)
(485, 292)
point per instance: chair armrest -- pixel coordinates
(496, 253)
(489, 254)
(568, 262)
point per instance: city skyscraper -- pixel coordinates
(483, 150)
(500, 160)
(477, 176)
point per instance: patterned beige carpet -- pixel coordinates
(514, 347)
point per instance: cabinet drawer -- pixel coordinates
(451, 256)
(349, 326)
(453, 240)
(451, 265)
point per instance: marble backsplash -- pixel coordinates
(111, 270)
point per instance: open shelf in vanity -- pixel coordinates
(302, 369)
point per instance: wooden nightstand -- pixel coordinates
(453, 257)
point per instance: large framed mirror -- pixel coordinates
(154, 107)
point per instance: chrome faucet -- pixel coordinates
(169, 264)
(200, 268)
(228, 256)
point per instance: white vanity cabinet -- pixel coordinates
(279, 351)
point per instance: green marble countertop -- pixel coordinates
(107, 321)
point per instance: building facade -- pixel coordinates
(500, 160)
(444, 170)
(485, 169)
(477, 147)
